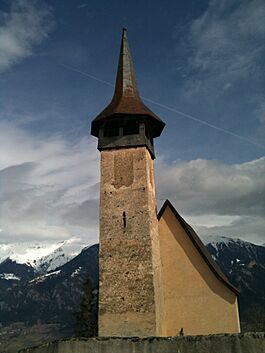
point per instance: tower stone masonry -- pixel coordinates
(130, 292)
(156, 276)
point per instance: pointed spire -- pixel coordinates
(126, 99)
(125, 81)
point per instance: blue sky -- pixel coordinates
(202, 62)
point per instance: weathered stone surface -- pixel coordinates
(235, 343)
(129, 245)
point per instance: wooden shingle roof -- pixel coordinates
(126, 99)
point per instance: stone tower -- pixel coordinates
(130, 294)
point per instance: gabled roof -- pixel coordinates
(126, 99)
(199, 246)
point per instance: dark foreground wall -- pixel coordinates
(236, 343)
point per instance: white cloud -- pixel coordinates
(49, 190)
(82, 6)
(225, 48)
(250, 228)
(28, 23)
(211, 220)
(216, 197)
(201, 186)
(229, 37)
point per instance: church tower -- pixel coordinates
(130, 292)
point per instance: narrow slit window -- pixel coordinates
(124, 219)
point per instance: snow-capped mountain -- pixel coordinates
(231, 251)
(65, 252)
(220, 239)
(244, 265)
(49, 297)
(50, 287)
(26, 253)
(37, 258)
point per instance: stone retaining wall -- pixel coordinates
(228, 343)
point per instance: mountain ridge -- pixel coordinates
(40, 258)
(45, 257)
(53, 293)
